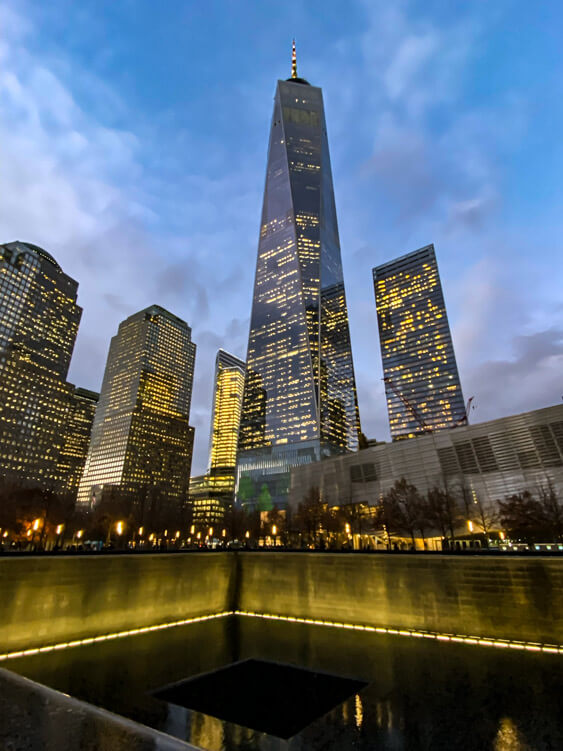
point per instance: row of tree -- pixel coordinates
(405, 512)
(33, 515)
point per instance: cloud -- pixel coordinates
(80, 188)
(405, 68)
(141, 206)
(530, 379)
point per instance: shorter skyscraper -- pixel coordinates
(39, 319)
(211, 494)
(420, 372)
(141, 448)
(76, 438)
(227, 405)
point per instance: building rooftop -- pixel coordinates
(35, 249)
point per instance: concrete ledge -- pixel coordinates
(33, 717)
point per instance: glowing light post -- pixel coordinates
(119, 530)
(348, 531)
(35, 528)
(140, 533)
(274, 533)
(59, 531)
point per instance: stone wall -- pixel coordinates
(46, 600)
(502, 597)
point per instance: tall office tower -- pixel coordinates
(211, 494)
(39, 320)
(421, 379)
(300, 399)
(227, 405)
(141, 447)
(76, 438)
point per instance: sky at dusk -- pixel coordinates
(133, 140)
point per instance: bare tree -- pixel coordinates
(552, 509)
(404, 508)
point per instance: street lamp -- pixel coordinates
(119, 528)
(470, 525)
(274, 532)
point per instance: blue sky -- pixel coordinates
(133, 140)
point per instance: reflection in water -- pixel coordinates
(359, 715)
(206, 731)
(509, 738)
(420, 696)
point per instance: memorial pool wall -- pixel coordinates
(46, 600)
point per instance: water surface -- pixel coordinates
(419, 694)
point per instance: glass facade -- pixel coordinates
(421, 378)
(141, 446)
(300, 387)
(76, 437)
(211, 494)
(39, 319)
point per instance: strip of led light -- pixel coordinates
(114, 635)
(434, 635)
(480, 641)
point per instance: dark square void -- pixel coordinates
(270, 697)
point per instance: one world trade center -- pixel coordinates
(300, 401)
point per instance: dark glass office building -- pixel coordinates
(141, 447)
(39, 319)
(421, 378)
(300, 400)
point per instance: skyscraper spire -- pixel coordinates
(293, 62)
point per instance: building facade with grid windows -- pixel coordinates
(39, 318)
(76, 438)
(140, 451)
(422, 383)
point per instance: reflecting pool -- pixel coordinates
(400, 694)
